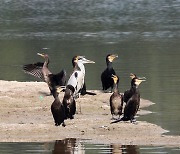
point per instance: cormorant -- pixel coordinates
(77, 77)
(69, 102)
(83, 90)
(57, 109)
(133, 103)
(41, 71)
(107, 81)
(116, 99)
(129, 93)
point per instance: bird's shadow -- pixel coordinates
(122, 120)
(44, 93)
(116, 120)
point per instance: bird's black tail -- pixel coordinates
(122, 119)
(84, 92)
(90, 93)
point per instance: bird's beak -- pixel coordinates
(81, 56)
(138, 81)
(115, 56)
(142, 78)
(60, 88)
(40, 54)
(112, 57)
(86, 61)
(113, 76)
(132, 75)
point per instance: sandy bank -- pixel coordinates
(25, 116)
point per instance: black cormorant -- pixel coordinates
(41, 71)
(129, 93)
(107, 81)
(116, 99)
(133, 103)
(57, 109)
(77, 77)
(69, 102)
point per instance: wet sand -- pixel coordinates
(25, 116)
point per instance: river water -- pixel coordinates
(75, 146)
(145, 35)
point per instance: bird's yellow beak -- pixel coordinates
(60, 89)
(132, 76)
(138, 81)
(112, 57)
(40, 54)
(115, 78)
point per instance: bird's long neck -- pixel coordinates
(76, 67)
(134, 89)
(56, 94)
(67, 93)
(46, 62)
(81, 67)
(115, 89)
(109, 64)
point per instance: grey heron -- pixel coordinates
(77, 77)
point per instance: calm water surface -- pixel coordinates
(145, 35)
(74, 146)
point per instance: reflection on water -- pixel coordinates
(67, 146)
(116, 148)
(145, 35)
(77, 146)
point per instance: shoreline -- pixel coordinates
(25, 116)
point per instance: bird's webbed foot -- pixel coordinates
(71, 117)
(133, 121)
(63, 124)
(56, 124)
